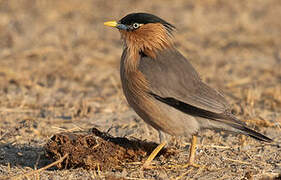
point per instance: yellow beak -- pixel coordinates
(110, 23)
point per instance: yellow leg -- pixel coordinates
(192, 153)
(192, 150)
(154, 154)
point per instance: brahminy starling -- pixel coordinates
(164, 89)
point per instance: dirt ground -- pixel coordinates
(59, 73)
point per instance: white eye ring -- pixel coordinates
(136, 25)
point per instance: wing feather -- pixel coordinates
(171, 75)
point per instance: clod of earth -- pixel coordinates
(98, 150)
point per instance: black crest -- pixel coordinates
(145, 18)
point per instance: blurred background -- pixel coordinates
(59, 65)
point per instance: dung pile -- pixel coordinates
(97, 150)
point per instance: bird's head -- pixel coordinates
(143, 32)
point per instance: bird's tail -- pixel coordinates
(247, 131)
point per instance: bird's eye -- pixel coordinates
(136, 25)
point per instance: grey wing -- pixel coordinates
(170, 75)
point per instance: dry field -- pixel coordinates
(59, 73)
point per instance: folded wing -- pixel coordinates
(171, 75)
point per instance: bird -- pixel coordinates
(163, 87)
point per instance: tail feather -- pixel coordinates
(241, 126)
(255, 134)
(247, 131)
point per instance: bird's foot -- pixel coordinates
(154, 153)
(190, 164)
(183, 166)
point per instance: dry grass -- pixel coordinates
(59, 73)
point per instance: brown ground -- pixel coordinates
(59, 74)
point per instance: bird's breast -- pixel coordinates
(136, 88)
(134, 83)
